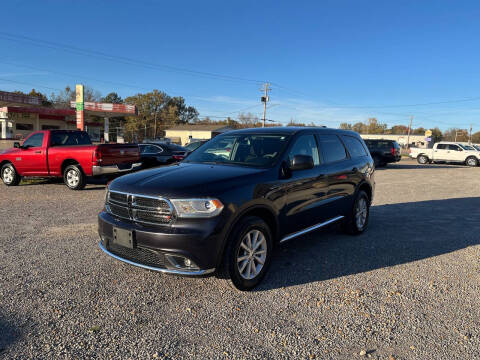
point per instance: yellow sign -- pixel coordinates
(79, 97)
(428, 133)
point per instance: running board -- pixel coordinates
(311, 228)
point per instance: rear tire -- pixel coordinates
(422, 159)
(357, 221)
(74, 177)
(247, 254)
(471, 161)
(9, 175)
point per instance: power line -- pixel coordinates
(121, 59)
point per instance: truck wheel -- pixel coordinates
(422, 159)
(74, 177)
(10, 176)
(248, 254)
(357, 221)
(471, 161)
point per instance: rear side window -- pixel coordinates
(305, 145)
(332, 148)
(354, 146)
(66, 138)
(441, 146)
(34, 141)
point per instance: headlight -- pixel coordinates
(197, 208)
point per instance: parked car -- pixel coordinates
(227, 214)
(194, 145)
(156, 154)
(68, 154)
(383, 151)
(447, 152)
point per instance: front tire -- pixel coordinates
(74, 177)
(471, 161)
(357, 221)
(422, 159)
(9, 175)
(248, 254)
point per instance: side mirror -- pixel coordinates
(459, 149)
(302, 162)
(16, 144)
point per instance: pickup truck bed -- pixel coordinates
(68, 154)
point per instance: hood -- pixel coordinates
(184, 180)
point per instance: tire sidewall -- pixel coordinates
(81, 175)
(475, 163)
(361, 194)
(246, 225)
(15, 174)
(422, 162)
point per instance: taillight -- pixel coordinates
(178, 157)
(392, 150)
(97, 155)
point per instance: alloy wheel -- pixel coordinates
(73, 178)
(8, 175)
(361, 213)
(251, 254)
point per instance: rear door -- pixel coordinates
(306, 189)
(341, 171)
(32, 160)
(441, 152)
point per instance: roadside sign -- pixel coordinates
(428, 133)
(428, 139)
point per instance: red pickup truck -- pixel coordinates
(68, 154)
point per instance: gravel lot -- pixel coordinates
(406, 289)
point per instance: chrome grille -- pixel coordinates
(139, 208)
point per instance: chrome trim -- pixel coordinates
(167, 271)
(112, 169)
(311, 228)
(132, 208)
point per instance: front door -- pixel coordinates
(454, 153)
(31, 159)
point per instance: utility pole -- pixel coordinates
(409, 129)
(470, 135)
(265, 99)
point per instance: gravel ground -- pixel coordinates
(406, 289)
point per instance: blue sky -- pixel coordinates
(328, 61)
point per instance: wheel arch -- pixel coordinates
(367, 188)
(68, 162)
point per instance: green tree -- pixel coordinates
(399, 130)
(436, 135)
(112, 98)
(151, 108)
(345, 126)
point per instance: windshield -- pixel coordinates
(258, 150)
(467, 147)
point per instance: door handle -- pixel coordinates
(38, 152)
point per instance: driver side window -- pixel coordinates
(305, 145)
(34, 141)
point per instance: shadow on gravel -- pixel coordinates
(397, 234)
(418, 166)
(9, 334)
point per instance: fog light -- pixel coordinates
(181, 263)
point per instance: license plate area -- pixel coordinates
(123, 238)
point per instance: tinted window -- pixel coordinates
(259, 150)
(332, 148)
(175, 147)
(354, 146)
(441, 146)
(193, 146)
(150, 149)
(305, 145)
(69, 138)
(34, 141)
(453, 147)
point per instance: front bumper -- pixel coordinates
(198, 240)
(113, 169)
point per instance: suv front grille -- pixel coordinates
(139, 208)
